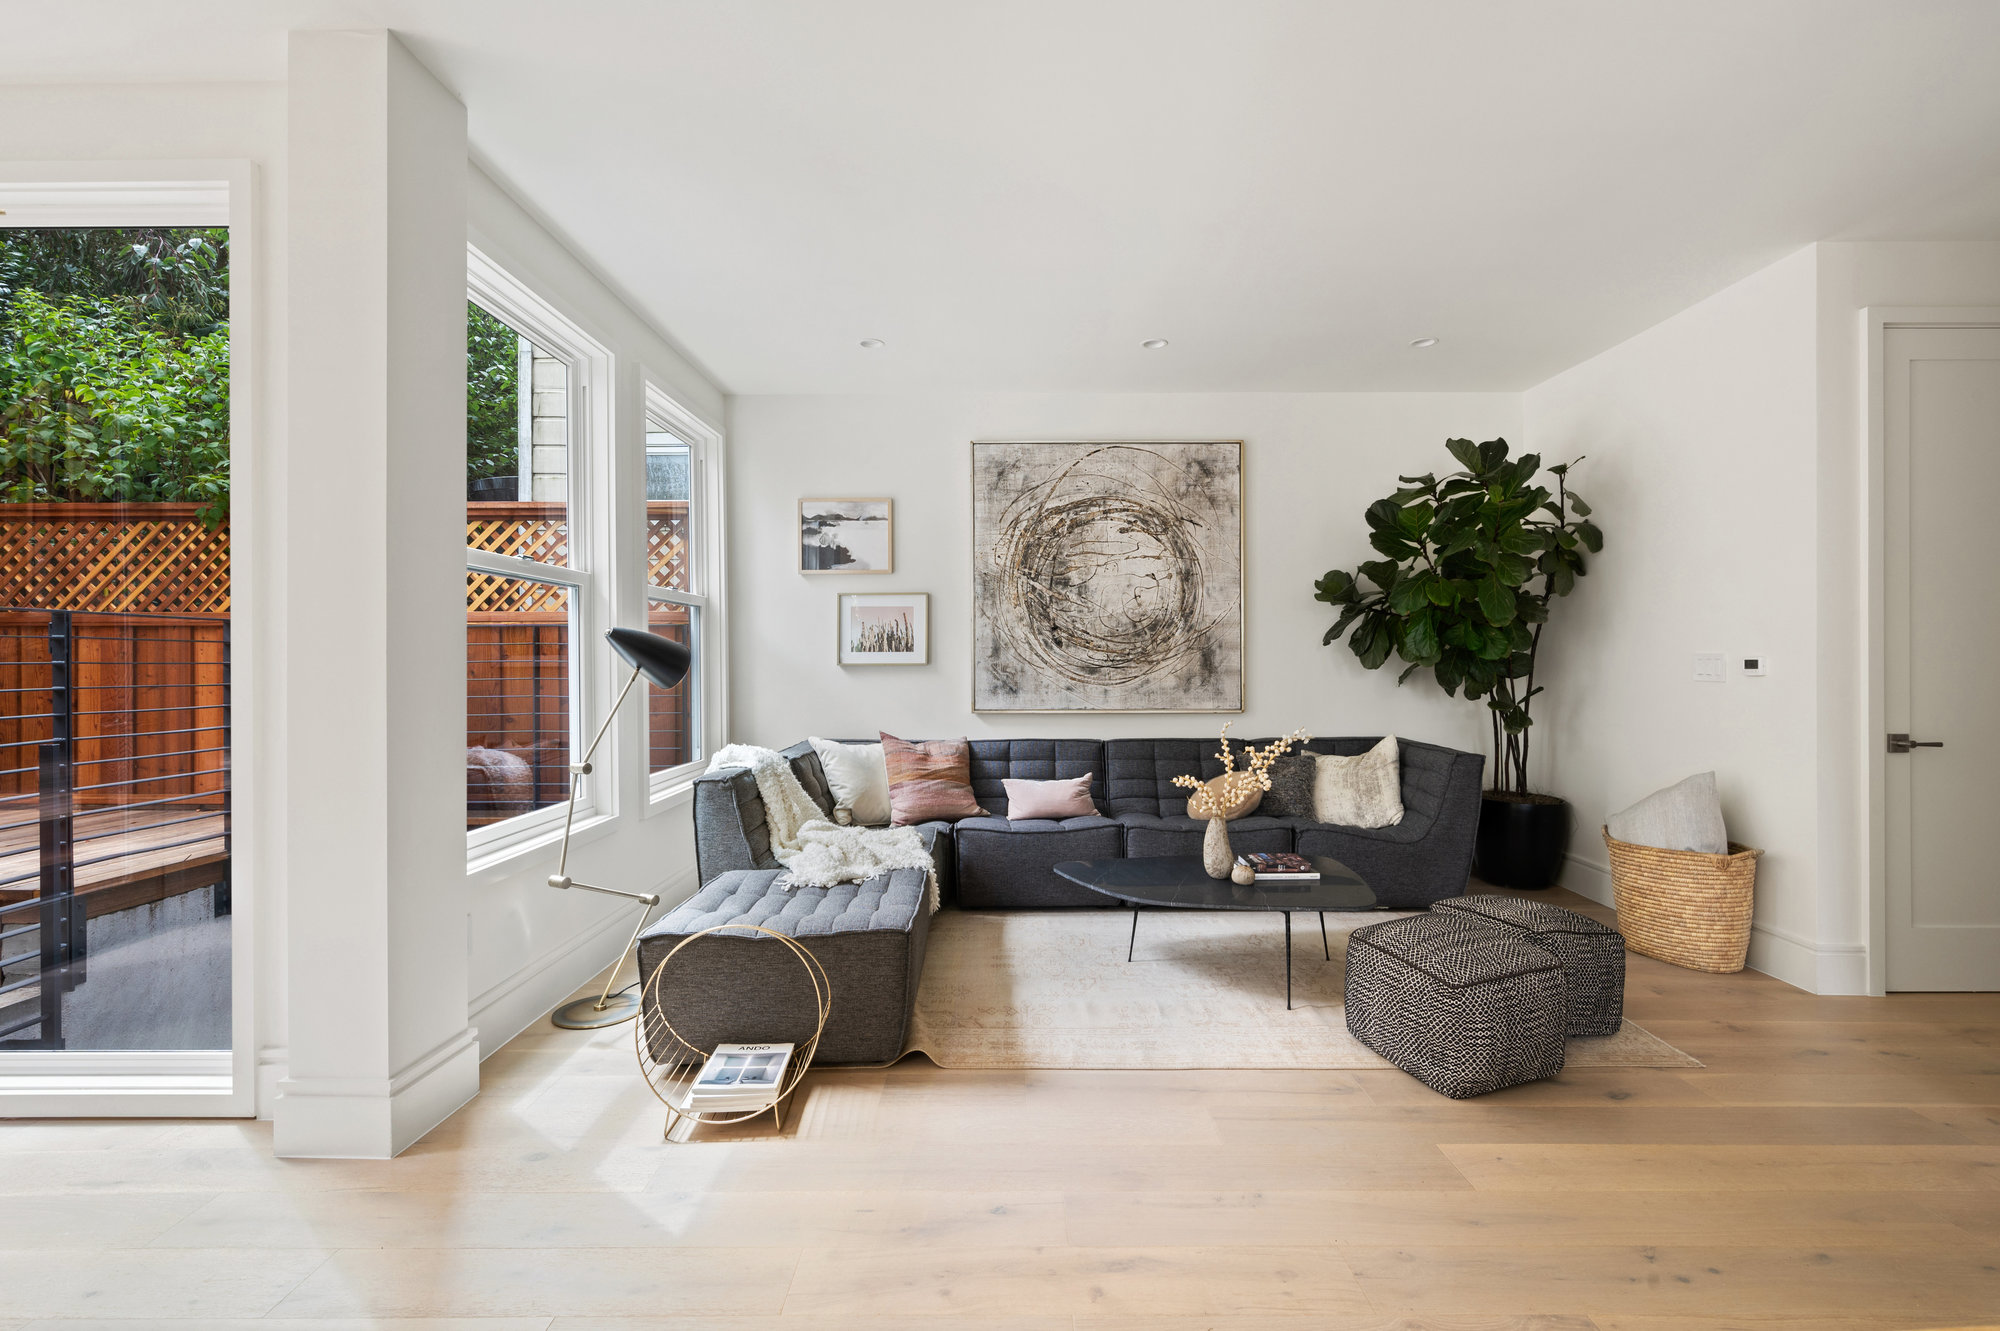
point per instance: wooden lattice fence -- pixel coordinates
(120, 558)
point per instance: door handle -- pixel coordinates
(1901, 743)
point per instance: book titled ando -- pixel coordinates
(738, 1077)
(1279, 866)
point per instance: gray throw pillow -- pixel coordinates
(1684, 816)
(1291, 792)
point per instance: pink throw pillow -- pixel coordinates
(1049, 799)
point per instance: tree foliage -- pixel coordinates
(1469, 564)
(492, 401)
(114, 366)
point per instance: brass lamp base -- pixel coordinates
(585, 1015)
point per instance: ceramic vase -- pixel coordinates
(1216, 857)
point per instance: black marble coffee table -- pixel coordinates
(1179, 880)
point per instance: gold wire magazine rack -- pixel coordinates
(671, 1071)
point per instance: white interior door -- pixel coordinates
(1941, 455)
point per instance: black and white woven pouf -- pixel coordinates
(1592, 954)
(1460, 1005)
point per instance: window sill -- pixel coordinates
(677, 794)
(504, 861)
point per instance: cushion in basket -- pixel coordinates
(929, 781)
(1684, 816)
(1067, 798)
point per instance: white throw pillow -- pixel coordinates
(1684, 816)
(1365, 790)
(858, 776)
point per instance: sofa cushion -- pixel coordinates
(869, 937)
(994, 761)
(929, 780)
(1003, 863)
(1149, 834)
(1291, 792)
(1064, 798)
(1362, 790)
(1139, 773)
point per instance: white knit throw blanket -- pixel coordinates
(814, 851)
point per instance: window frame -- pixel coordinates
(589, 574)
(709, 678)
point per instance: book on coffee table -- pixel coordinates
(1278, 865)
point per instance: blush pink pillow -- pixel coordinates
(1049, 799)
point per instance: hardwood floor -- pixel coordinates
(1835, 1166)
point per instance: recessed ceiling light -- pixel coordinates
(871, 343)
(1425, 342)
(1154, 343)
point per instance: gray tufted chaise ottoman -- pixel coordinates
(1460, 1005)
(747, 987)
(1592, 954)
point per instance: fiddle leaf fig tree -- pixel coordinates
(1469, 564)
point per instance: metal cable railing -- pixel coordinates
(102, 785)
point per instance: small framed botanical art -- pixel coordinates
(885, 628)
(846, 536)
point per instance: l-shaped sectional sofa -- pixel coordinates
(870, 937)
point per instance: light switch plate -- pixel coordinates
(1709, 668)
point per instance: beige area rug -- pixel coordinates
(1205, 989)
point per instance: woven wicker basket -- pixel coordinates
(1684, 906)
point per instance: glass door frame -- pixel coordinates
(182, 1083)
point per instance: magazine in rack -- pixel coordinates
(738, 1078)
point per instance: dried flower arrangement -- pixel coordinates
(1213, 801)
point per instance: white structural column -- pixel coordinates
(379, 1046)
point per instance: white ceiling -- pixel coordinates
(1015, 193)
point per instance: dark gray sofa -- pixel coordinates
(991, 863)
(871, 936)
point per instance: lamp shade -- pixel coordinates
(661, 660)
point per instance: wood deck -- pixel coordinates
(142, 855)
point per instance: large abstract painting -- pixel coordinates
(1107, 577)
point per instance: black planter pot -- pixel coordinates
(1521, 844)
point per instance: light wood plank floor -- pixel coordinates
(1834, 1167)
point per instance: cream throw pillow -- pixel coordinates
(1365, 790)
(858, 776)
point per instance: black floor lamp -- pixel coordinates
(664, 663)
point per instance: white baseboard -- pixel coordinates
(534, 990)
(374, 1118)
(273, 1065)
(1817, 968)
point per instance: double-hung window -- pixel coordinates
(532, 601)
(681, 578)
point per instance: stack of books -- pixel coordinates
(1279, 866)
(738, 1078)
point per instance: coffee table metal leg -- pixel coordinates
(1133, 941)
(1288, 961)
(1323, 944)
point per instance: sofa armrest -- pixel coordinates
(729, 827)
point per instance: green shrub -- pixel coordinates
(97, 404)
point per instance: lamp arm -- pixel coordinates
(577, 772)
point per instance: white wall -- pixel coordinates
(518, 946)
(1701, 445)
(1854, 276)
(531, 945)
(1312, 464)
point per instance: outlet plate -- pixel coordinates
(1709, 668)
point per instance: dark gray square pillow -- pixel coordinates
(1291, 792)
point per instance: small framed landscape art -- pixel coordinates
(885, 628)
(846, 536)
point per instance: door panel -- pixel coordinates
(1942, 624)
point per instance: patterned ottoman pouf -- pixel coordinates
(1462, 1006)
(1592, 954)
